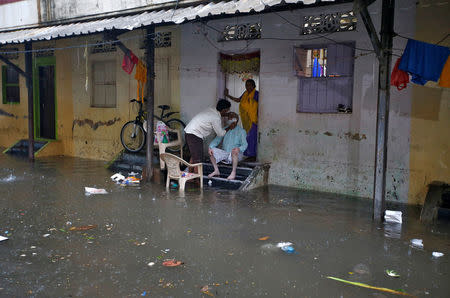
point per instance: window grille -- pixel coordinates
(162, 40)
(332, 22)
(241, 32)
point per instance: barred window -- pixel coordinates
(104, 84)
(325, 78)
(10, 85)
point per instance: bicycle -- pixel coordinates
(133, 135)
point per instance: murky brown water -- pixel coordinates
(215, 233)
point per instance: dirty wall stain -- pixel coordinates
(4, 113)
(93, 125)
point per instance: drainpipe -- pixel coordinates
(150, 87)
(29, 82)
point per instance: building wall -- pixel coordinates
(96, 131)
(430, 113)
(18, 13)
(326, 152)
(82, 130)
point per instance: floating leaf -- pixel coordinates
(392, 273)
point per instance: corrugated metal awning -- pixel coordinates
(131, 22)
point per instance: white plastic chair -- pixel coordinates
(162, 146)
(174, 172)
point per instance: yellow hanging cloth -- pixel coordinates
(141, 77)
(445, 75)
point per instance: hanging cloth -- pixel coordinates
(424, 61)
(141, 77)
(317, 69)
(128, 62)
(399, 78)
(445, 75)
(248, 109)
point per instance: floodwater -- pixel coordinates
(214, 232)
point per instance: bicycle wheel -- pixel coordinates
(178, 125)
(133, 136)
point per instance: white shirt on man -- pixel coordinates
(205, 123)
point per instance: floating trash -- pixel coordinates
(393, 216)
(437, 254)
(3, 238)
(83, 228)
(172, 263)
(392, 273)
(264, 238)
(359, 284)
(95, 191)
(417, 243)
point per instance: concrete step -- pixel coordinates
(21, 147)
(225, 170)
(218, 182)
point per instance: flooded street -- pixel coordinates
(215, 233)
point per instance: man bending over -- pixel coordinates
(234, 144)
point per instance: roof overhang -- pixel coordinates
(164, 16)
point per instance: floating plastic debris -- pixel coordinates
(92, 191)
(288, 249)
(3, 238)
(10, 178)
(45, 235)
(172, 263)
(417, 243)
(437, 254)
(151, 264)
(393, 216)
(209, 182)
(264, 238)
(281, 244)
(117, 177)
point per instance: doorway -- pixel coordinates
(234, 71)
(44, 89)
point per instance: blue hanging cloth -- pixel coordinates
(424, 61)
(317, 69)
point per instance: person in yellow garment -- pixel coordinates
(248, 110)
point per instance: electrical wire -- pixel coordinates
(437, 43)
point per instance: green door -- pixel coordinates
(44, 84)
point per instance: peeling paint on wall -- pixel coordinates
(355, 136)
(93, 125)
(4, 113)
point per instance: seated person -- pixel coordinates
(234, 143)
